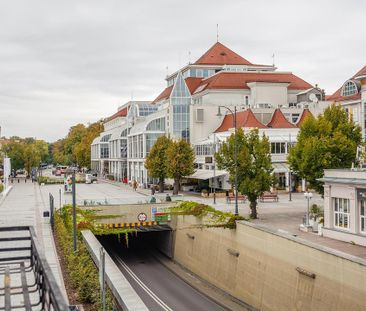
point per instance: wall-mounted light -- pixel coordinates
(233, 252)
(306, 273)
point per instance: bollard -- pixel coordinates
(18, 180)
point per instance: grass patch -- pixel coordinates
(216, 218)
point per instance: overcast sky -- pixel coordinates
(66, 62)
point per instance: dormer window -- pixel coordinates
(349, 88)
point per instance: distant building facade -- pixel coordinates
(187, 109)
(345, 205)
(352, 96)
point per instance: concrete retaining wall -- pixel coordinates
(269, 270)
(121, 289)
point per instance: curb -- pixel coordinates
(4, 195)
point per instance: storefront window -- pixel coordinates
(341, 213)
(363, 216)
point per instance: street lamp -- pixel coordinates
(235, 154)
(308, 196)
(214, 172)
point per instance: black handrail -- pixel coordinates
(50, 295)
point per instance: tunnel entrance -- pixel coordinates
(143, 241)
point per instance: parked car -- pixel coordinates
(89, 178)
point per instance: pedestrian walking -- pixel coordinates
(134, 185)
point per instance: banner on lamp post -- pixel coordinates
(7, 170)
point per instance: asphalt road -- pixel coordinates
(158, 287)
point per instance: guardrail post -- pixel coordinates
(52, 208)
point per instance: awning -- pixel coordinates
(280, 168)
(206, 174)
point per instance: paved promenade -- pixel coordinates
(24, 206)
(284, 215)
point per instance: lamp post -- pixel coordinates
(289, 186)
(308, 196)
(235, 154)
(289, 171)
(214, 172)
(74, 211)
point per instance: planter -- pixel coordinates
(315, 226)
(320, 229)
(204, 194)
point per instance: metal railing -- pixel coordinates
(27, 259)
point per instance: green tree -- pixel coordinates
(75, 147)
(25, 153)
(81, 149)
(34, 152)
(14, 150)
(254, 164)
(329, 141)
(179, 161)
(156, 163)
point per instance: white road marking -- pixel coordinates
(144, 286)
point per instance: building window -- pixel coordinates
(341, 213)
(156, 125)
(199, 115)
(123, 148)
(363, 216)
(203, 149)
(104, 151)
(181, 100)
(295, 117)
(349, 88)
(278, 148)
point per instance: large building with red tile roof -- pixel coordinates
(352, 96)
(186, 108)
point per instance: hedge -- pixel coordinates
(81, 269)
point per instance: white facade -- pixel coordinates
(187, 109)
(352, 97)
(345, 205)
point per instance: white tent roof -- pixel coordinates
(206, 174)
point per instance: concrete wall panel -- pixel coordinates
(264, 273)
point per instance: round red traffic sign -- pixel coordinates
(141, 217)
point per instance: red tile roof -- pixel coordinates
(305, 114)
(360, 72)
(191, 82)
(279, 120)
(120, 113)
(244, 119)
(239, 80)
(337, 97)
(337, 94)
(219, 54)
(164, 94)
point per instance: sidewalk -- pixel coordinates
(24, 206)
(284, 216)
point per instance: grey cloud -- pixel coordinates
(63, 62)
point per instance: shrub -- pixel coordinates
(217, 218)
(1, 188)
(80, 266)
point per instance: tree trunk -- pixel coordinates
(161, 185)
(176, 186)
(253, 209)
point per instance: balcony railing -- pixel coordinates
(28, 281)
